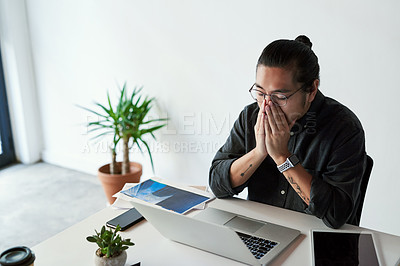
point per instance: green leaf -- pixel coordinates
(91, 239)
(94, 112)
(148, 150)
(99, 125)
(155, 120)
(117, 228)
(128, 242)
(121, 98)
(107, 111)
(106, 251)
(149, 130)
(109, 103)
(138, 145)
(102, 134)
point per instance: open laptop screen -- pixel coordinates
(343, 248)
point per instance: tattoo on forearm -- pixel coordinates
(242, 174)
(298, 189)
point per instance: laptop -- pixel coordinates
(222, 233)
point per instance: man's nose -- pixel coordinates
(267, 97)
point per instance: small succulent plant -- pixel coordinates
(110, 242)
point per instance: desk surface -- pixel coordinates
(151, 248)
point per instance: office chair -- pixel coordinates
(363, 187)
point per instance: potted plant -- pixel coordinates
(126, 122)
(112, 247)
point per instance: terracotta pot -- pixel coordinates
(114, 183)
(113, 261)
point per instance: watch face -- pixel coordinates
(293, 159)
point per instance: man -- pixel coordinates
(294, 147)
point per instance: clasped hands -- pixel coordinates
(272, 132)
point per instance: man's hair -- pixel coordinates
(293, 55)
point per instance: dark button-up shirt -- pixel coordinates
(328, 140)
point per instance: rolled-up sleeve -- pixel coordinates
(234, 148)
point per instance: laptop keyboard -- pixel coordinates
(258, 246)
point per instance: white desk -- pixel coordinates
(151, 248)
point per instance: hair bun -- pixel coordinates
(305, 40)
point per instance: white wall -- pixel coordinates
(198, 58)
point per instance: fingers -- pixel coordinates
(259, 130)
(279, 116)
(276, 118)
(271, 125)
(267, 126)
(277, 131)
(270, 119)
(260, 118)
(262, 122)
(257, 126)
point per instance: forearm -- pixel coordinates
(244, 167)
(300, 180)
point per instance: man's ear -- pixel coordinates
(313, 91)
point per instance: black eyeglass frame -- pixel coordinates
(276, 93)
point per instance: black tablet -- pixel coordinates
(343, 248)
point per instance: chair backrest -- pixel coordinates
(364, 185)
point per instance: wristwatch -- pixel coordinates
(290, 162)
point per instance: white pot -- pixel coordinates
(114, 261)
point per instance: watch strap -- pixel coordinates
(290, 162)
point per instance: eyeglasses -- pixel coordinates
(276, 97)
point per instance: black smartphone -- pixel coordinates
(126, 220)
